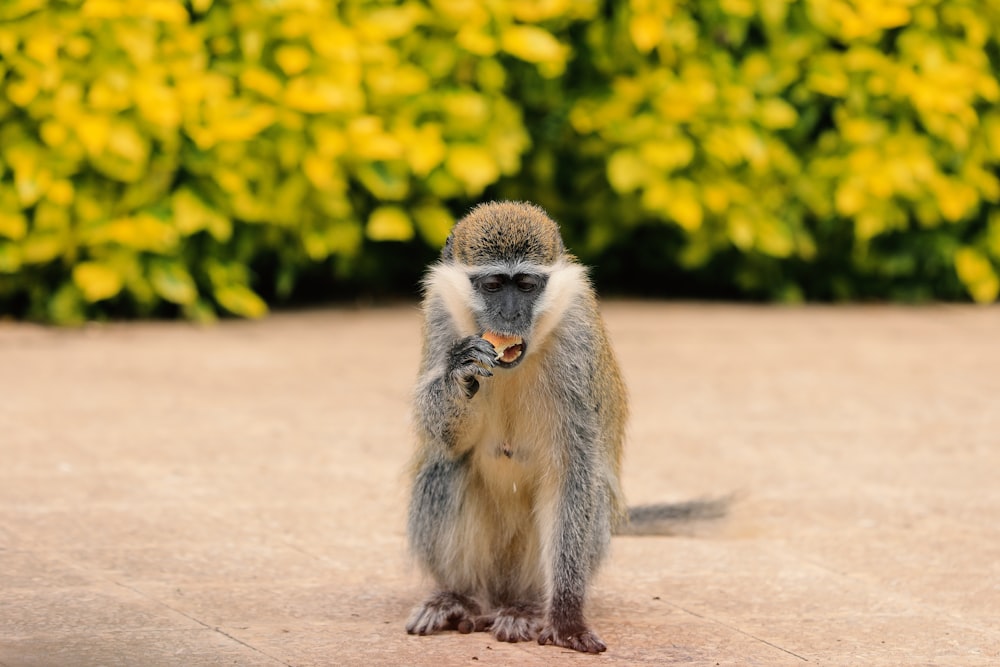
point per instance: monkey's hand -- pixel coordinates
(470, 359)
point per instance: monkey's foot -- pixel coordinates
(519, 622)
(581, 639)
(444, 611)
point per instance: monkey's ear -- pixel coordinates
(447, 254)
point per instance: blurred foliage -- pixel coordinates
(171, 157)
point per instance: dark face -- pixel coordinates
(508, 313)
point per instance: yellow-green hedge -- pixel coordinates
(819, 149)
(153, 155)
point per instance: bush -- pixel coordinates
(176, 157)
(820, 150)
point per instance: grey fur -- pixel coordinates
(525, 529)
(516, 477)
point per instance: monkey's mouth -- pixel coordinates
(509, 349)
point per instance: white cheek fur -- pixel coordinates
(566, 283)
(451, 283)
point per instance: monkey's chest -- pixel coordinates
(505, 469)
(513, 445)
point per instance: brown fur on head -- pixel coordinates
(505, 230)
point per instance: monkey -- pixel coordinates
(519, 411)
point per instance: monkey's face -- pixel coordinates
(506, 310)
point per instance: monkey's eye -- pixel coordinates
(527, 284)
(492, 284)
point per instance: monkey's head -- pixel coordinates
(502, 270)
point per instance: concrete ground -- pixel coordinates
(234, 495)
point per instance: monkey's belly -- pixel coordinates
(496, 543)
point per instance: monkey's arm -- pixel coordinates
(448, 382)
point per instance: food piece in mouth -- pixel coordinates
(508, 348)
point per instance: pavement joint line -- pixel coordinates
(200, 622)
(903, 598)
(736, 629)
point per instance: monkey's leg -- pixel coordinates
(581, 534)
(434, 506)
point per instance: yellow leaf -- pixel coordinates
(328, 141)
(533, 44)
(42, 248)
(292, 59)
(13, 224)
(388, 23)
(425, 148)
(774, 237)
(168, 11)
(105, 9)
(626, 171)
(533, 11)
(667, 154)
(242, 121)
(370, 141)
(31, 180)
(684, 206)
(241, 300)
(96, 281)
(389, 223)
(157, 103)
(10, 258)
(828, 77)
(344, 237)
(850, 197)
(977, 274)
(474, 40)
(319, 95)
(467, 111)
(402, 81)
(54, 134)
(777, 114)
(646, 31)
(323, 173)
(261, 82)
(128, 143)
(472, 165)
(192, 215)
(741, 8)
(22, 92)
(139, 232)
(434, 223)
(739, 229)
(93, 133)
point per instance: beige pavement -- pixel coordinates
(234, 495)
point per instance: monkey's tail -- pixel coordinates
(673, 518)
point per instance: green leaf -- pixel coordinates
(173, 282)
